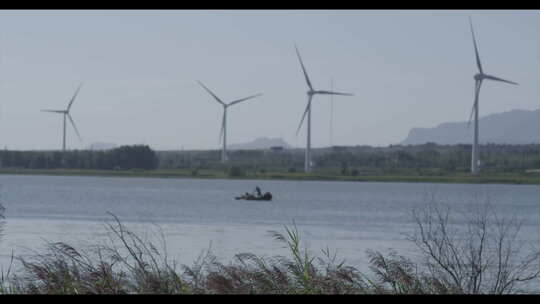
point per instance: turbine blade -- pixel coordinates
(54, 111)
(470, 116)
(499, 79)
(303, 68)
(222, 127)
(476, 94)
(478, 63)
(210, 92)
(74, 127)
(333, 93)
(73, 98)
(305, 112)
(244, 99)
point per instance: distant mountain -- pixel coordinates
(260, 143)
(513, 127)
(102, 146)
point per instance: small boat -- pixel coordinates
(250, 197)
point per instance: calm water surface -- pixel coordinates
(197, 214)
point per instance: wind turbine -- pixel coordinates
(478, 78)
(223, 132)
(66, 113)
(310, 93)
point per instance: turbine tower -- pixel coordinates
(223, 132)
(66, 113)
(310, 93)
(478, 78)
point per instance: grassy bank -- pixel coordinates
(495, 178)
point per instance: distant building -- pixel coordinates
(101, 146)
(276, 148)
(339, 148)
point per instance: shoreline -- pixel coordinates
(210, 174)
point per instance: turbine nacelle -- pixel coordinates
(56, 111)
(479, 77)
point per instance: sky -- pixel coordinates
(139, 71)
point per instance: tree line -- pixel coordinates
(359, 160)
(121, 158)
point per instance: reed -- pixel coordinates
(484, 262)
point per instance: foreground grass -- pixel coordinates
(137, 267)
(488, 259)
(492, 178)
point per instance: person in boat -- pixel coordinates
(258, 191)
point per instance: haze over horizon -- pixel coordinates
(139, 68)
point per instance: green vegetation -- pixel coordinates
(499, 178)
(236, 172)
(122, 158)
(420, 163)
(417, 160)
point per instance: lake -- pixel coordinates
(198, 214)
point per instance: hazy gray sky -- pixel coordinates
(139, 68)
